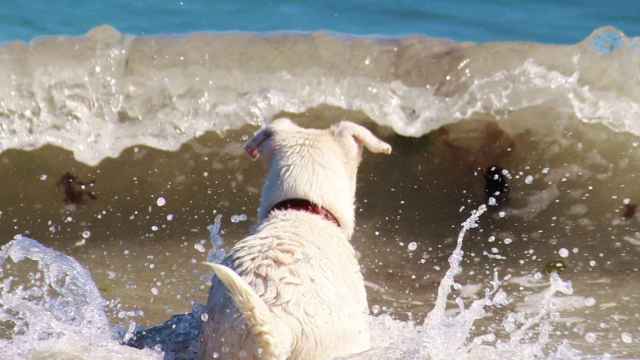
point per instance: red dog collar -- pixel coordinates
(306, 205)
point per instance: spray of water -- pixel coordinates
(56, 312)
(217, 253)
(447, 334)
(50, 308)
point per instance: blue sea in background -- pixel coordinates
(465, 20)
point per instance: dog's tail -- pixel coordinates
(259, 318)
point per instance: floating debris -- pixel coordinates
(76, 191)
(555, 266)
(629, 210)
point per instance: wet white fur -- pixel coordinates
(293, 290)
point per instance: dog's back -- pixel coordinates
(307, 274)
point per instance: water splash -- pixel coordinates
(444, 335)
(50, 307)
(178, 338)
(217, 253)
(56, 312)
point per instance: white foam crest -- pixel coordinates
(55, 312)
(99, 94)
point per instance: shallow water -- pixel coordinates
(158, 123)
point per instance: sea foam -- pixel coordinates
(101, 93)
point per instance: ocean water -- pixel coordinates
(545, 21)
(121, 145)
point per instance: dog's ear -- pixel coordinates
(254, 146)
(363, 137)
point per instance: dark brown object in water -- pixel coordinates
(76, 191)
(555, 266)
(629, 211)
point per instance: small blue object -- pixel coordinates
(607, 41)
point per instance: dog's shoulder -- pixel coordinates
(289, 252)
(271, 263)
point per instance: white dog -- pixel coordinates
(294, 290)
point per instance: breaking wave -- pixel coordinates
(99, 94)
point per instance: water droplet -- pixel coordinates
(626, 338)
(86, 234)
(528, 180)
(199, 247)
(204, 317)
(238, 218)
(412, 246)
(161, 201)
(589, 301)
(537, 276)
(564, 253)
(155, 291)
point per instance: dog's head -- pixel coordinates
(319, 165)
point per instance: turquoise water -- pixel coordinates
(467, 20)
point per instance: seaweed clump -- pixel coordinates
(76, 191)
